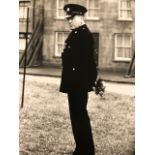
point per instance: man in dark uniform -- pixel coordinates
(78, 76)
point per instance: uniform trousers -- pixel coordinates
(80, 123)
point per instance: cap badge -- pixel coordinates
(68, 9)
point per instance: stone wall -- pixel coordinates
(107, 25)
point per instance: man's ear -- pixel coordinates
(83, 18)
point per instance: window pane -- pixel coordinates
(119, 52)
(129, 15)
(125, 9)
(61, 3)
(60, 37)
(93, 8)
(119, 41)
(123, 46)
(96, 13)
(91, 3)
(123, 13)
(23, 9)
(123, 4)
(61, 13)
(92, 13)
(60, 6)
(65, 35)
(23, 12)
(128, 4)
(22, 44)
(60, 42)
(96, 3)
(66, 2)
(60, 49)
(127, 41)
(127, 52)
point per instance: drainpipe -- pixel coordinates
(23, 89)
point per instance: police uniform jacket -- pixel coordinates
(78, 65)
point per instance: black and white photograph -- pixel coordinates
(77, 77)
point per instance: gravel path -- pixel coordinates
(124, 89)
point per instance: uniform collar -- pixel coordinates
(82, 27)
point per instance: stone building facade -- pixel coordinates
(110, 21)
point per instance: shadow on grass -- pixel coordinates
(45, 126)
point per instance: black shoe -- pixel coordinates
(82, 153)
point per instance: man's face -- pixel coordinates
(74, 21)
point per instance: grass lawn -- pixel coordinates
(45, 126)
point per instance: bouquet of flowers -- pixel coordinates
(99, 87)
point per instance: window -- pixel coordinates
(123, 47)
(60, 6)
(22, 44)
(22, 41)
(93, 9)
(91, 5)
(125, 10)
(23, 10)
(60, 42)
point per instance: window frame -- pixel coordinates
(25, 4)
(125, 9)
(58, 8)
(87, 14)
(116, 57)
(57, 54)
(90, 8)
(22, 35)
